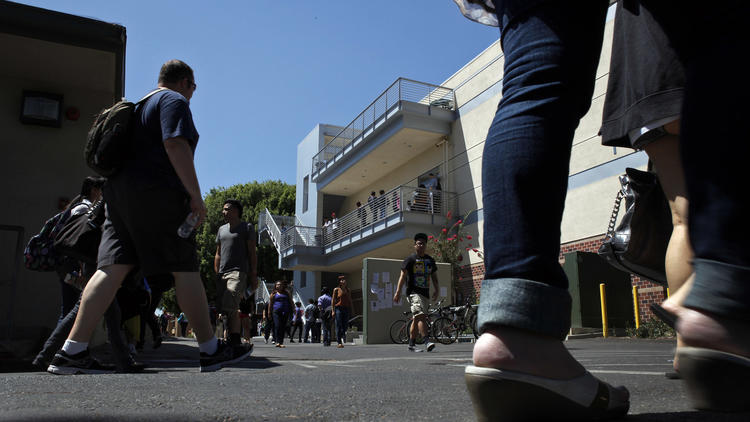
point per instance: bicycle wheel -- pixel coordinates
(473, 324)
(397, 331)
(444, 330)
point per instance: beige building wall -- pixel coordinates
(42, 164)
(478, 90)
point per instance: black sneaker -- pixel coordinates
(415, 349)
(225, 355)
(80, 363)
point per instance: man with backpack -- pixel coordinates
(154, 190)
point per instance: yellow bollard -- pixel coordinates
(667, 292)
(603, 295)
(637, 311)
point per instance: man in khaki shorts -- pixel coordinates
(235, 259)
(416, 270)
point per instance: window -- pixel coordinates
(305, 192)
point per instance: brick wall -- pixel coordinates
(470, 277)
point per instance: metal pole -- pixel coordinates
(603, 296)
(636, 310)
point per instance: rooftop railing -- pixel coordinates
(401, 90)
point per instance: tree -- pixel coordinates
(277, 196)
(446, 245)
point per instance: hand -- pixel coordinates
(434, 295)
(197, 207)
(397, 297)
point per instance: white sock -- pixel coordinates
(209, 347)
(74, 347)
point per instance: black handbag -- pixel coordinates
(639, 243)
(80, 236)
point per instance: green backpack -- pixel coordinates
(108, 140)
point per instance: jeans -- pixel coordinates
(308, 327)
(326, 325)
(69, 295)
(551, 54)
(342, 320)
(296, 325)
(279, 325)
(55, 341)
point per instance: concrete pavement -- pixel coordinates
(310, 382)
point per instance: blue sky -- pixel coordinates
(268, 72)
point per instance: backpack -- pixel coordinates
(316, 312)
(79, 236)
(40, 253)
(108, 140)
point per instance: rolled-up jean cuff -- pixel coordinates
(526, 305)
(720, 288)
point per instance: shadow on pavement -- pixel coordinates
(695, 416)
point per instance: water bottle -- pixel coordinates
(187, 226)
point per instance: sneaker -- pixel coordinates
(80, 363)
(265, 340)
(225, 355)
(430, 346)
(131, 367)
(340, 346)
(415, 349)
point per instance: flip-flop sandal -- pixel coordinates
(717, 381)
(500, 395)
(669, 318)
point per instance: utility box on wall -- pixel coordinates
(585, 272)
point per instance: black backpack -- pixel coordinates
(109, 138)
(316, 312)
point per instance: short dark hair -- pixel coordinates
(382, 191)
(420, 236)
(324, 291)
(91, 182)
(174, 71)
(298, 303)
(311, 300)
(235, 204)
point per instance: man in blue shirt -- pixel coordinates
(325, 305)
(147, 201)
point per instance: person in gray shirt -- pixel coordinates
(235, 259)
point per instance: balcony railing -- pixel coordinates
(361, 221)
(365, 122)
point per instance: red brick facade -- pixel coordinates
(470, 277)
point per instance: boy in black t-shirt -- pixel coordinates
(415, 271)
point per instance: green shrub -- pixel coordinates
(651, 328)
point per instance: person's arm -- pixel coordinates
(435, 284)
(401, 281)
(181, 156)
(336, 293)
(252, 256)
(217, 259)
(270, 304)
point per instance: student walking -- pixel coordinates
(280, 307)
(141, 224)
(416, 271)
(342, 309)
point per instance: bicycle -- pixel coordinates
(400, 329)
(463, 318)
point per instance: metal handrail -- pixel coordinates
(400, 90)
(397, 200)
